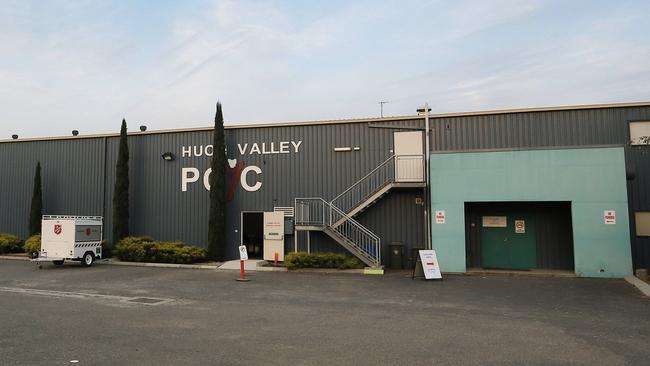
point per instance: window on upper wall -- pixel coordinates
(642, 220)
(640, 133)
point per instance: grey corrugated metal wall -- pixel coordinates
(74, 177)
(74, 180)
(72, 172)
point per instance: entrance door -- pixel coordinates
(252, 233)
(409, 156)
(508, 241)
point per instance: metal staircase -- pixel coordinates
(335, 218)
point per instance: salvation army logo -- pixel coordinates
(57, 229)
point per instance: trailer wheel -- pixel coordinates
(88, 259)
(59, 263)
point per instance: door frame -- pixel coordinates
(241, 227)
(410, 174)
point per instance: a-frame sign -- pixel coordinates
(426, 265)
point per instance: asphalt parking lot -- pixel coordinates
(106, 315)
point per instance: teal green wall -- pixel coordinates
(592, 179)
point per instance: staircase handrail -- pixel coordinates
(353, 221)
(389, 178)
(322, 218)
(320, 212)
(347, 219)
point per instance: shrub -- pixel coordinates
(145, 249)
(321, 260)
(33, 244)
(10, 244)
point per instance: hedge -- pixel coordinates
(33, 244)
(145, 249)
(10, 244)
(321, 260)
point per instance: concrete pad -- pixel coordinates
(373, 271)
(644, 287)
(249, 265)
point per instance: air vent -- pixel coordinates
(288, 211)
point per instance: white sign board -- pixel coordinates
(610, 217)
(274, 225)
(273, 236)
(430, 264)
(520, 227)
(243, 253)
(440, 217)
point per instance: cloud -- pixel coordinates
(85, 65)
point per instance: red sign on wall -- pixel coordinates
(520, 226)
(610, 217)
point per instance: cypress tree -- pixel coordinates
(36, 210)
(121, 191)
(217, 220)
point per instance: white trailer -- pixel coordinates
(77, 238)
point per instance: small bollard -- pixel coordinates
(243, 256)
(642, 274)
(242, 274)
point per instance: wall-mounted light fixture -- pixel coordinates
(15, 137)
(143, 128)
(167, 156)
(75, 132)
(342, 149)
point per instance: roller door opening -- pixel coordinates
(519, 235)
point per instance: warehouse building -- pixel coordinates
(563, 188)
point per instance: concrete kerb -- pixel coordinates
(642, 286)
(214, 267)
(516, 273)
(161, 265)
(14, 258)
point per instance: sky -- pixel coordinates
(85, 65)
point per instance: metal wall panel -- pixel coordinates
(72, 177)
(77, 170)
(75, 174)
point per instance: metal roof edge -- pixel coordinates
(532, 148)
(344, 121)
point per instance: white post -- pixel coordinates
(427, 203)
(295, 238)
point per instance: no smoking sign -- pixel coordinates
(520, 226)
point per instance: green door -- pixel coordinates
(508, 241)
